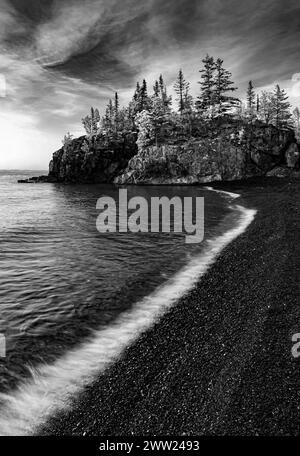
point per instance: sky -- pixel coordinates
(60, 57)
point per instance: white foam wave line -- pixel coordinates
(52, 386)
(231, 194)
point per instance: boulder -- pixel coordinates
(292, 155)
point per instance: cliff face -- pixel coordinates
(228, 154)
(101, 164)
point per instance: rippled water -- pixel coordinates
(60, 279)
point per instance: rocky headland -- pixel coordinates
(226, 153)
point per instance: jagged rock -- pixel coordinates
(198, 161)
(292, 155)
(283, 171)
(230, 151)
(231, 154)
(101, 163)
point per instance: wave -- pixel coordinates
(52, 386)
(230, 194)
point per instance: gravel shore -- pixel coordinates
(220, 361)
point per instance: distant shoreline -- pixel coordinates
(220, 361)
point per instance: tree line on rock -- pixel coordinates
(269, 107)
(150, 113)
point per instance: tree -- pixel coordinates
(281, 108)
(296, 116)
(181, 88)
(257, 104)
(251, 102)
(144, 99)
(108, 119)
(117, 104)
(266, 110)
(156, 89)
(206, 98)
(141, 100)
(222, 86)
(68, 138)
(146, 130)
(164, 95)
(159, 118)
(116, 112)
(91, 123)
(250, 96)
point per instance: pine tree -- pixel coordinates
(296, 114)
(137, 91)
(117, 103)
(146, 132)
(116, 112)
(296, 117)
(251, 102)
(206, 98)
(91, 123)
(164, 95)
(222, 86)
(161, 85)
(281, 106)
(159, 117)
(144, 96)
(68, 138)
(108, 119)
(141, 100)
(156, 90)
(250, 97)
(181, 88)
(266, 107)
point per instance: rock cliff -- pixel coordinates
(227, 154)
(224, 153)
(101, 163)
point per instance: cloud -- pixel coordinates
(59, 57)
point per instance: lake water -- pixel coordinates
(61, 280)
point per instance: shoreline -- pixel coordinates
(218, 362)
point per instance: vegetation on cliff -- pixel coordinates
(253, 136)
(152, 117)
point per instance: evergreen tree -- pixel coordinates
(144, 100)
(141, 100)
(222, 86)
(266, 108)
(137, 91)
(250, 97)
(117, 103)
(164, 95)
(188, 100)
(181, 88)
(281, 106)
(296, 114)
(159, 117)
(296, 117)
(91, 124)
(156, 89)
(206, 98)
(68, 138)
(146, 131)
(251, 102)
(108, 120)
(116, 112)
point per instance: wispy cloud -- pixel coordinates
(59, 57)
